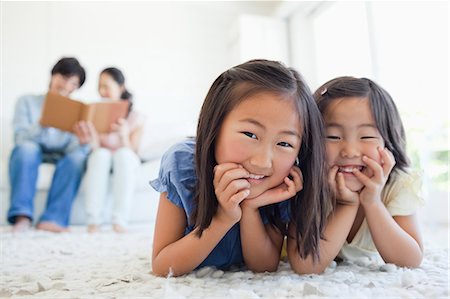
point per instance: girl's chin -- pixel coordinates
(254, 193)
(252, 196)
(354, 186)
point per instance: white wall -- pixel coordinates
(254, 36)
(301, 41)
(170, 52)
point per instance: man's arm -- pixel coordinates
(24, 128)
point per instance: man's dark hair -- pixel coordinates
(69, 66)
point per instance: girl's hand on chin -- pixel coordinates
(282, 192)
(374, 185)
(343, 195)
(231, 189)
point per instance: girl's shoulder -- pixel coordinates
(403, 193)
(409, 178)
(177, 174)
(179, 154)
(177, 163)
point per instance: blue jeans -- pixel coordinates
(23, 172)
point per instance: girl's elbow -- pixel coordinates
(308, 269)
(157, 273)
(414, 262)
(268, 269)
(158, 270)
(262, 269)
(313, 270)
(164, 271)
(410, 262)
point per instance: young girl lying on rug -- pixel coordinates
(376, 192)
(224, 195)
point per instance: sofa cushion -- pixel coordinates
(147, 171)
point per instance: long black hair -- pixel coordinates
(118, 76)
(308, 207)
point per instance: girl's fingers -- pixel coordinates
(332, 173)
(343, 194)
(220, 169)
(388, 160)
(284, 191)
(362, 177)
(376, 168)
(229, 176)
(233, 188)
(240, 196)
(340, 184)
(293, 186)
(297, 178)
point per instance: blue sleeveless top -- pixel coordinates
(177, 177)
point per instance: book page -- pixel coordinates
(60, 112)
(104, 114)
(63, 113)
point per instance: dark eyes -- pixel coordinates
(249, 134)
(338, 138)
(285, 144)
(253, 136)
(333, 137)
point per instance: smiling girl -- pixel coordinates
(223, 195)
(376, 192)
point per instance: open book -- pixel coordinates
(62, 113)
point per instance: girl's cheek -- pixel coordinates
(331, 155)
(374, 154)
(285, 168)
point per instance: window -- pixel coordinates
(403, 46)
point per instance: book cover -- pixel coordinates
(63, 113)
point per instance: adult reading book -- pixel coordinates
(35, 144)
(63, 113)
(116, 151)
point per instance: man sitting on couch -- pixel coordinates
(35, 144)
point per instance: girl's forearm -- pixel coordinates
(260, 252)
(338, 227)
(187, 253)
(393, 243)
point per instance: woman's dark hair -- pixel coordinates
(384, 111)
(308, 207)
(69, 66)
(118, 76)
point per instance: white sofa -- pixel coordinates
(144, 205)
(145, 201)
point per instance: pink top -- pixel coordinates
(112, 140)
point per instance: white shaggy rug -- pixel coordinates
(37, 264)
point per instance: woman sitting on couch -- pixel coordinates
(115, 151)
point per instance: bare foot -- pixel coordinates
(93, 228)
(51, 227)
(119, 228)
(21, 225)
